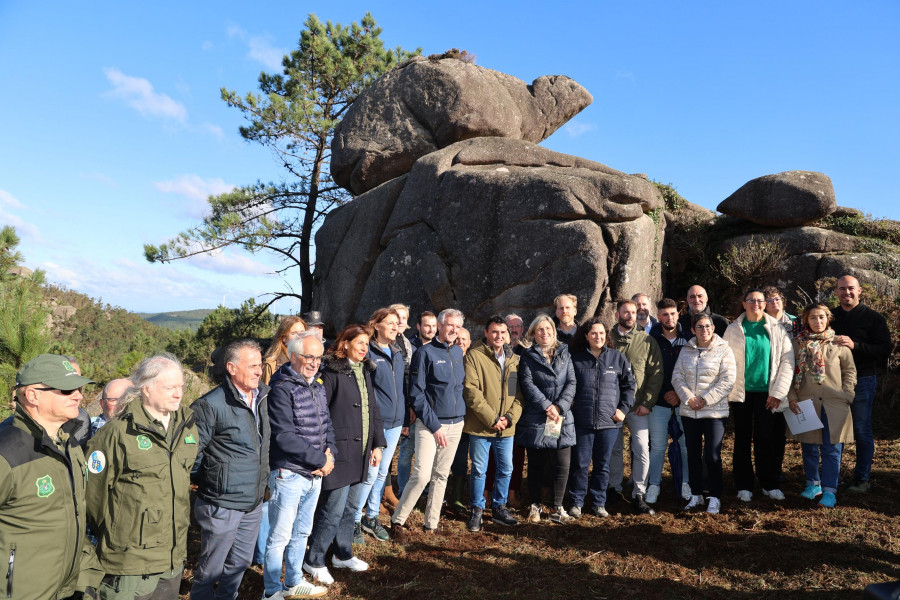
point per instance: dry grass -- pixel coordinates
(763, 549)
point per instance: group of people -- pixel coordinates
(291, 454)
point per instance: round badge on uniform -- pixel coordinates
(96, 462)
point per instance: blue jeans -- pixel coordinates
(596, 445)
(503, 452)
(659, 441)
(373, 486)
(259, 556)
(861, 409)
(404, 461)
(831, 460)
(334, 522)
(461, 461)
(291, 510)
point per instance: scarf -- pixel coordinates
(811, 355)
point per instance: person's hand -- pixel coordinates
(404, 432)
(553, 412)
(844, 340)
(329, 464)
(501, 424)
(795, 407)
(696, 403)
(412, 417)
(375, 459)
(440, 438)
(642, 411)
(619, 416)
(672, 398)
(772, 403)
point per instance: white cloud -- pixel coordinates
(214, 130)
(207, 45)
(229, 263)
(10, 201)
(196, 189)
(139, 94)
(622, 74)
(575, 129)
(260, 47)
(23, 228)
(96, 176)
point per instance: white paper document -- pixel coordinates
(807, 420)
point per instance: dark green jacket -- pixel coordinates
(42, 522)
(138, 502)
(643, 354)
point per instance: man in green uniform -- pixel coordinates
(42, 481)
(137, 493)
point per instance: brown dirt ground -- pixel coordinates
(764, 549)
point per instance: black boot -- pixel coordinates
(641, 507)
(474, 523)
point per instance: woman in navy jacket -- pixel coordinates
(548, 387)
(604, 393)
(347, 377)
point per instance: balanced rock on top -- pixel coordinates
(426, 104)
(785, 199)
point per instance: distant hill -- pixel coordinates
(182, 319)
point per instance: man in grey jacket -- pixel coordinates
(231, 471)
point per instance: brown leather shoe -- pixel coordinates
(389, 500)
(398, 534)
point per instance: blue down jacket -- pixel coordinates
(602, 385)
(543, 384)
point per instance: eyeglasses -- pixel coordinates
(311, 357)
(755, 301)
(774, 300)
(63, 392)
(703, 326)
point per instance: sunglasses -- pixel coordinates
(63, 392)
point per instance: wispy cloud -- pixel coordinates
(196, 189)
(576, 129)
(229, 263)
(260, 47)
(139, 94)
(104, 179)
(10, 201)
(25, 229)
(213, 130)
(621, 74)
(207, 45)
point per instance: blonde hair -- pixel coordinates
(571, 297)
(529, 335)
(278, 347)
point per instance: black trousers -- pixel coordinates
(558, 462)
(765, 431)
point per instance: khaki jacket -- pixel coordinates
(138, 502)
(642, 351)
(489, 394)
(834, 395)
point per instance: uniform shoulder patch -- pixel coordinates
(143, 442)
(44, 486)
(190, 439)
(97, 462)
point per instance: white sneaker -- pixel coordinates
(652, 494)
(352, 563)
(745, 495)
(319, 574)
(534, 513)
(774, 494)
(694, 503)
(304, 589)
(686, 491)
(713, 506)
(276, 596)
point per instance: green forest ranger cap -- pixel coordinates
(53, 371)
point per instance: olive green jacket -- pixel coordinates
(643, 353)
(42, 522)
(138, 490)
(490, 394)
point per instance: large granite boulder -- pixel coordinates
(427, 104)
(782, 200)
(487, 225)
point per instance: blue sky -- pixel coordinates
(114, 131)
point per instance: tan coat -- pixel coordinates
(834, 395)
(270, 365)
(490, 394)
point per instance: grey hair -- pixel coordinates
(146, 373)
(513, 316)
(232, 353)
(295, 346)
(450, 313)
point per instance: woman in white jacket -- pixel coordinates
(704, 376)
(764, 359)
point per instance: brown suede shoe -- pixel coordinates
(389, 500)
(398, 534)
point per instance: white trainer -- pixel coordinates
(352, 563)
(276, 596)
(696, 501)
(304, 589)
(652, 494)
(713, 506)
(686, 491)
(319, 574)
(745, 495)
(774, 494)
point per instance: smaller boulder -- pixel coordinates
(786, 199)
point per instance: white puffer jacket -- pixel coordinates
(706, 373)
(781, 359)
